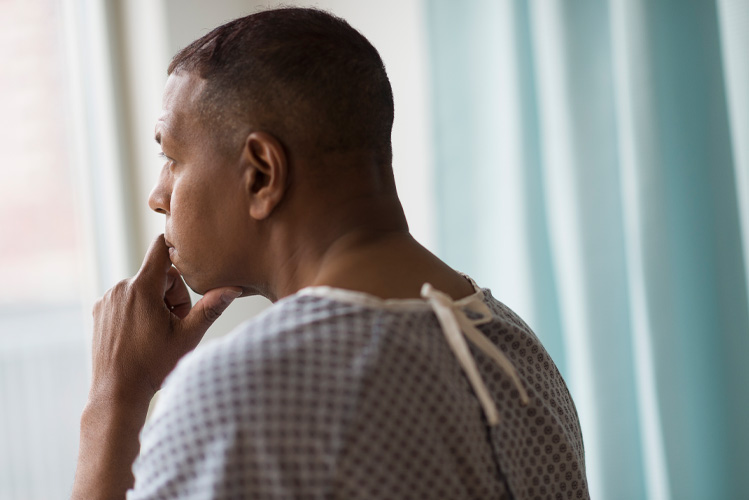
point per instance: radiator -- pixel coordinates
(43, 386)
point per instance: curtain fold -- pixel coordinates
(585, 166)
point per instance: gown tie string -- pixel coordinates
(456, 325)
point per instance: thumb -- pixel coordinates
(208, 309)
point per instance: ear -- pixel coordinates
(267, 172)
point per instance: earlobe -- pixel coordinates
(267, 173)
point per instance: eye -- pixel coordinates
(164, 157)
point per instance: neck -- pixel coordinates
(309, 245)
(365, 247)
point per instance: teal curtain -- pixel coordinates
(591, 164)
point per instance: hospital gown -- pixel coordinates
(334, 394)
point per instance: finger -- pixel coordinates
(176, 297)
(207, 310)
(156, 263)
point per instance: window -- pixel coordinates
(43, 359)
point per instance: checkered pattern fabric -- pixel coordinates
(332, 394)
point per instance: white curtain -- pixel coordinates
(592, 166)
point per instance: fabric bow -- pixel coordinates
(453, 321)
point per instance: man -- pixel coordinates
(358, 382)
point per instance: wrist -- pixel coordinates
(126, 410)
(118, 396)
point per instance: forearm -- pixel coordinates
(108, 446)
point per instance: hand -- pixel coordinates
(144, 325)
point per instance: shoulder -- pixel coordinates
(283, 345)
(272, 392)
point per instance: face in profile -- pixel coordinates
(200, 191)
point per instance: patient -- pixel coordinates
(379, 372)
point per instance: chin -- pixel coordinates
(194, 284)
(199, 288)
(201, 284)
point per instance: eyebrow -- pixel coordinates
(157, 138)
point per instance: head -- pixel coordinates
(263, 116)
(302, 75)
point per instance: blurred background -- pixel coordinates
(586, 160)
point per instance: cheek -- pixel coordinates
(206, 217)
(187, 222)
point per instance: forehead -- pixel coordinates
(179, 113)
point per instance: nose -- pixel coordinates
(160, 196)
